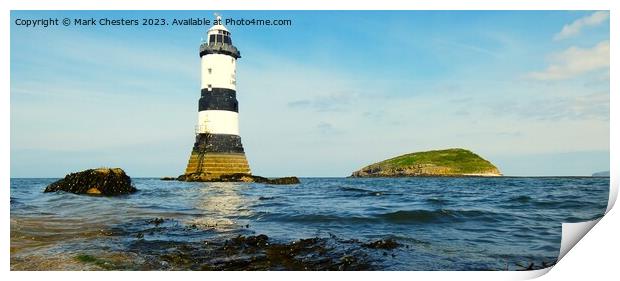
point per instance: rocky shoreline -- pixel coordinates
(114, 181)
(243, 251)
(200, 177)
(427, 175)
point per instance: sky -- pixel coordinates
(327, 95)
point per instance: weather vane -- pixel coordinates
(218, 18)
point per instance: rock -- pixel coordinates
(168, 178)
(191, 177)
(258, 253)
(284, 180)
(156, 221)
(238, 178)
(387, 244)
(93, 190)
(261, 240)
(101, 181)
(455, 162)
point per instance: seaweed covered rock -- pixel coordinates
(101, 181)
(387, 244)
(260, 253)
(284, 180)
(237, 178)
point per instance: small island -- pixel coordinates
(454, 162)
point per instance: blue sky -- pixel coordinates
(528, 90)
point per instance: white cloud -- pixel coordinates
(591, 106)
(574, 28)
(575, 61)
(324, 103)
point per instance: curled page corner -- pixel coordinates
(613, 191)
(529, 274)
(572, 233)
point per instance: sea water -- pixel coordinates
(503, 223)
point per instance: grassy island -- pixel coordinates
(447, 162)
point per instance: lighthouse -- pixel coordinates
(217, 149)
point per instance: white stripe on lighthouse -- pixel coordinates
(218, 122)
(218, 71)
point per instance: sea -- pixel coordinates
(422, 223)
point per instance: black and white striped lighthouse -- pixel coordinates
(218, 149)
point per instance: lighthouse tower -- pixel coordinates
(218, 149)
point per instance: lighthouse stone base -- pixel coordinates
(214, 155)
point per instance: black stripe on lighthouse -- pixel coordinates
(219, 48)
(218, 99)
(218, 143)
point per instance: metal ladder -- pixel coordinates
(203, 151)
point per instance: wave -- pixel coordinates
(318, 218)
(435, 200)
(360, 192)
(520, 199)
(415, 215)
(440, 215)
(558, 204)
(355, 189)
(397, 217)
